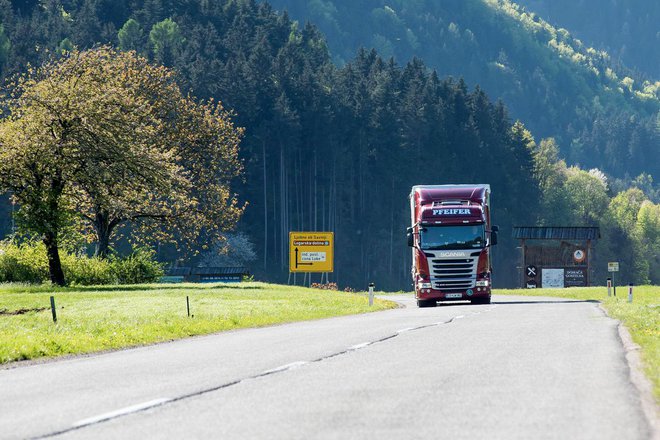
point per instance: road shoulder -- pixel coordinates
(639, 379)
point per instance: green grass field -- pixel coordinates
(92, 319)
(641, 318)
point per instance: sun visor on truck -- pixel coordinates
(452, 214)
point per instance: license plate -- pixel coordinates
(453, 295)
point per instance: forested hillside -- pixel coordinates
(325, 148)
(628, 29)
(602, 115)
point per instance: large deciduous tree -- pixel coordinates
(108, 137)
(33, 167)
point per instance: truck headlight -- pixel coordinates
(482, 283)
(424, 285)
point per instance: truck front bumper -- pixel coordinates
(453, 295)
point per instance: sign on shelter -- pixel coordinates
(311, 251)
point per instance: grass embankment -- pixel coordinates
(641, 318)
(91, 319)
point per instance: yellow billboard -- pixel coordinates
(311, 251)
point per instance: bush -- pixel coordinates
(140, 267)
(27, 263)
(86, 271)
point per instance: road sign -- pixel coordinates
(613, 266)
(531, 271)
(552, 278)
(575, 277)
(311, 251)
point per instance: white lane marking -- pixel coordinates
(459, 317)
(121, 412)
(403, 330)
(359, 346)
(290, 366)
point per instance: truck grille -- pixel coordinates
(453, 274)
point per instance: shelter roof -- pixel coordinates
(556, 232)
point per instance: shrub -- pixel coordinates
(27, 263)
(83, 270)
(139, 267)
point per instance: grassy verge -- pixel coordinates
(641, 318)
(99, 318)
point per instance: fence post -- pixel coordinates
(52, 309)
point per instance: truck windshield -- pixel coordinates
(452, 237)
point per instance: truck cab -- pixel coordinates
(451, 236)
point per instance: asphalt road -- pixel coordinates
(519, 368)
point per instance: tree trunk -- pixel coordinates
(283, 207)
(263, 151)
(54, 263)
(102, 248)
(103, 226)
(316, 191)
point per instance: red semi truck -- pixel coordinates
(451, 236)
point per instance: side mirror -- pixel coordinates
(409, 235)
(493, 237)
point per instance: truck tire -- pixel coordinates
(426, 303)
(481, 300)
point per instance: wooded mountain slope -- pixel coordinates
(628, 29)
(602, 115)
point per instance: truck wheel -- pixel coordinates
(481, 300)
(426, 303)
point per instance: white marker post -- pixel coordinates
(371, 294)
(630, 292)
(609, 287)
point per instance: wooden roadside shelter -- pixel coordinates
(555, 256)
